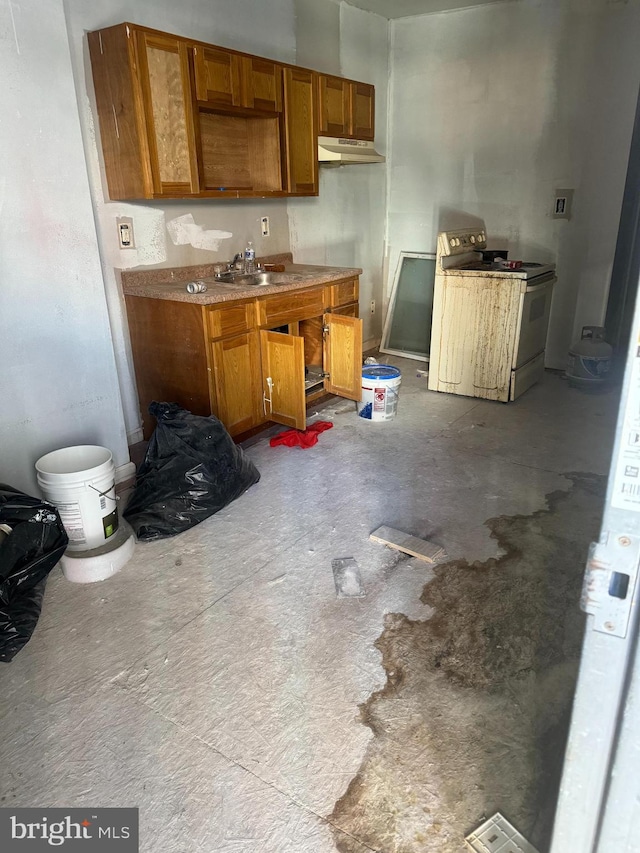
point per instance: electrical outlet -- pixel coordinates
(125, 232)
(264, 223)
(373, 306)
(562, 204)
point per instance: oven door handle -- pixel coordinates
(540, 285)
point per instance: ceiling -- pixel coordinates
(405, 8)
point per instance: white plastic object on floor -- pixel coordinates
(80, 481)
(100, 563)
(380, 389)
(497, 835)
(589, 360)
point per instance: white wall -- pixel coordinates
(58, 382)
(344, 225)
(496, 106)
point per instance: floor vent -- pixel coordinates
(497, 835)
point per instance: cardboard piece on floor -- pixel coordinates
(497, 835)
(346, 577)
(408, 544)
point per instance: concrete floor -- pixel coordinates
(215, 682)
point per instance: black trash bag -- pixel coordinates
(191, 470)
(27, 554)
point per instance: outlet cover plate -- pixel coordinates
(563, 203)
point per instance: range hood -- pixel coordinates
(338, 151)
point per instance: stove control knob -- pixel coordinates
(452, 242)
(473, 238)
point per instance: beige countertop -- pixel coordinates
(171, 283)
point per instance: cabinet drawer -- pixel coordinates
(289, 307)
(342, 293)
(347, 310)
(230, 320)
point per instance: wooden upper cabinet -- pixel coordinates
(166, 93)
(144, 110)
(179, 118)
(218, 76)
(263, 84)
(334, 106)
(301, 131)
(227, 79)
(345, 108)
(362, 111)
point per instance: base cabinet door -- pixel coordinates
(236, 390)
(283, 378)
(343, 355)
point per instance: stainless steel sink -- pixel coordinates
(257, 279)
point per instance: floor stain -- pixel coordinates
(475, 711)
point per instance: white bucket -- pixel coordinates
(380, 389)
(80, 481)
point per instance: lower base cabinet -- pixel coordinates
(265, 358)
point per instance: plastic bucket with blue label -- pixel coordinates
(380, 390)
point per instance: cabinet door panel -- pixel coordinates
(263, 80)
(342, 293)
(218, 76)
(283, 378)
(230, 319)
(122, 127)
(333, 106)
(165, 88)
(235, 377)
(343, 356)
(301, 132)
(362, 111)
(278, 309)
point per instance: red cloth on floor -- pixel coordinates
(297, 437)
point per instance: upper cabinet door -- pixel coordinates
(333, 106)
(164, 80)
(362, 111)
(263, 84)
(218, 76)
(343, 356)
(301, 131)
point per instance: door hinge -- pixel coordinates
(325, 375)
(326, 329)
(610, 581)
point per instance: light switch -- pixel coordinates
(562, 204)
(125, 232)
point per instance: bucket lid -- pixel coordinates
(380, 371)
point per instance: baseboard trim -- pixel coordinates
(135, 436)
(367, 346)
(125, 472)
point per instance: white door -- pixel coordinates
(599, 803)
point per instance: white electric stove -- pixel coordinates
(490, 323)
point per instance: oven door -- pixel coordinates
(533, 322)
